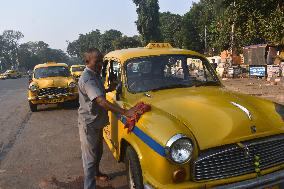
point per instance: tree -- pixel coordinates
(148, 20)
(106, 39)
(170, 27)
(9, 50)
(83, 43)
(191, 33)
(126, 42)
(33, 53)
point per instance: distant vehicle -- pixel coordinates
(51, 83)
(3, 76)
(76, 71)
(11, 74)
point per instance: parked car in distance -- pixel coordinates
(51, 83)
(76, 71)
(10, 74)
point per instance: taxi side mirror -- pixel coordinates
(118, 91)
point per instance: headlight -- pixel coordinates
(33, 87)
(280, 110)
(179, 149)
(72, 85)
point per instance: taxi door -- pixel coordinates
(111, 132)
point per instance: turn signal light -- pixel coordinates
(179, 175)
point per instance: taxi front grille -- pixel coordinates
(52, 91)
(235, 160)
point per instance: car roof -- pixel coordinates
(152, 49)
(48, 64)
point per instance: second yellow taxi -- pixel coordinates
(51, 83)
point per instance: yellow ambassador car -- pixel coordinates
(51, 83)
(198, 134)
(77, 70)
(10, 74)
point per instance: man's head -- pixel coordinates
(94, 59)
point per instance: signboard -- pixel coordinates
(273, 71)
(282, 68)
(258, 71)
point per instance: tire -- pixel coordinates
(33, 107)
(133, 168)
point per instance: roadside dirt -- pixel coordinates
(257, 87)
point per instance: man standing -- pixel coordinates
(93, 116)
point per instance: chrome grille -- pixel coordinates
(233, 160)
(52, 91)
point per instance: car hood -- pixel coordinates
(216, 116)
(53, 82)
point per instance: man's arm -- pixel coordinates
(114, 108)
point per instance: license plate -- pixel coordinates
(54, 101)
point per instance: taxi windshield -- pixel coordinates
(78, 69)
(51, 71)
(169, 71)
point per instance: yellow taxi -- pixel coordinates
(51, 83)
(10, 74)
(77, 70)
(197, 134)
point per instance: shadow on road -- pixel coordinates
(43, 108)
(78, 183)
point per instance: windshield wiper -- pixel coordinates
(207, 83)
(170, 87)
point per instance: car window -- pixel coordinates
(168, 71)
(51, 71)
(78, 69)
(113, 72)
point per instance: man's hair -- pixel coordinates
(90, 51)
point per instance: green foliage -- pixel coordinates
(33, 53)
(106, 39)
(254, 22)
(170, 27)
(148, 20)
(126, 42)
(9, 42)
(106, 42)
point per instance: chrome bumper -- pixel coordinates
(270, 179)
(47, 97)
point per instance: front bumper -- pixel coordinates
(53, 99)
(264, 181)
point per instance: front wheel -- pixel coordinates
(33, 107)
(134, 173)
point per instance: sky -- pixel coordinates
(58, 21)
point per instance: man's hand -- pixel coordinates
(130, 113)
(115, 108)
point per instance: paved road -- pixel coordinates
(41, 150)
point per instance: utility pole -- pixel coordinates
(205, 39)
(232, 33)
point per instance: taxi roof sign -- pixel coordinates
(158, 45)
